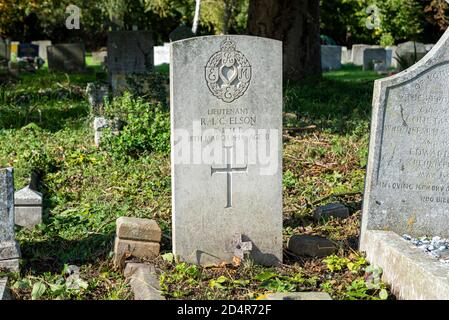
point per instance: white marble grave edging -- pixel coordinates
(410, 272)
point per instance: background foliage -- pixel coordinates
(400, 20)
(342, 20)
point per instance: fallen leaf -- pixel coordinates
(236, 261)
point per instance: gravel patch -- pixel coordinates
(436, 247)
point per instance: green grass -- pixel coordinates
(45, 124)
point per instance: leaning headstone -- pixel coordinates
(406, 187)
(28, 50)
(226, 106)
(43, 44)
(9, 248)
(371, 56)
(180, 33)
(330, 58)
(67, 57)
(129, 52)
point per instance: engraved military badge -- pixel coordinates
(228, 72)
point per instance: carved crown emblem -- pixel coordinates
(228, 72)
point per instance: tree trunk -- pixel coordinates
(226, 17)
(229, 7)
(297, 24)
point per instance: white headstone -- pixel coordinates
(226, 109)
(43, 44)
(162, 54)
(346, 55)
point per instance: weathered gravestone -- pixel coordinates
(358, 52)
(129, 52)
(331, 57)
(226, 103)
(97, 95)
(28, 204)
(67, 57)
(28, 50)
(408, 53)
(407, 185)
(43, 44)
(9, 248)
(373, 55)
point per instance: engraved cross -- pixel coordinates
(229, 170)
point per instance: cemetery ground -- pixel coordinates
(46, 125)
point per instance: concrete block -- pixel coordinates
(138, 229)
(139, 249)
